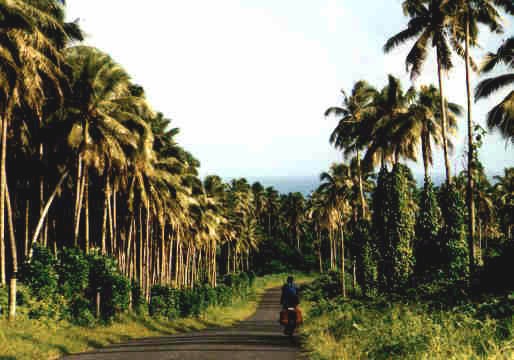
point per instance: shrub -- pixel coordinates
(453, 235)
(138, 300)
(40, 274)
(80, 312)
(224, 295)
(4, 296)
(428, 227)
(115, 295)
(73, 269)
(114, 288)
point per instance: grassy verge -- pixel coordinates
(50, 339)
(402, 328)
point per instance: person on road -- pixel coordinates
(289, 297)
(289, 301)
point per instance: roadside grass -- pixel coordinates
(50, 339)
(381, 329)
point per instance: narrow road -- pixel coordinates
(259, 337)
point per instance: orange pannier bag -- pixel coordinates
(299, 316)
(284, 317)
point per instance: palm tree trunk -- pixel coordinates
(354, 273)
(470, 199)
(45, 212)
(343, 280)
(424, 150)
(111, 223)
(78, 202)
(27, 211)
(14, 258)
(361, 190)
(140, 225)
(3, 184)
(443, 118)
(319, 253)
(163, 253)
(114, 218)
(177, 258)
(86, 210)
(104, 226)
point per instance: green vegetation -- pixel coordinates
(432, 322)
(51, 337)
(113, 234)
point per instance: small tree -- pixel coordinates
(394, 221)
(453, 235)
(428, 226)
(366, 254)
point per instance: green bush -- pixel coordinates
(326, 286)
(224, 295)
(172, 303)
(80, 312)
(138, 300)
(105, 279)
(40, 273)
(4, 300)
(453, 234)
(73, 270)
(428, 226)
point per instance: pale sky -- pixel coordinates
(248, 81)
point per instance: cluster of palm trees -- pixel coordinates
(380, 127)
(86, 162)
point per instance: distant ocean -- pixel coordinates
(307, 184)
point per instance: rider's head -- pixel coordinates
(290, 279)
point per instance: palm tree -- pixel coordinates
(504, 195)
(345, 135)
(424, 122)
(293, 209)
(336, 186)
(379, 128)
(501, 116)
(103, 112)
(468, 14)
(29, 65)
(429, 25)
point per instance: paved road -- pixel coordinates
(259, 337)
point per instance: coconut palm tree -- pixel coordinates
(466, 16)
(379, 126)
(345, 136)
(30, 64)
(336, 186)
(428, 24)
(103, 111)
(501, 116)
(504, 196)
(424, 122)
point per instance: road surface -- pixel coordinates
(259, 337)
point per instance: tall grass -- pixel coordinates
(385, 329)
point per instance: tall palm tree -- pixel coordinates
(379, 126)
(345, 135)
(467, 15)
(336, 185)
(429, 26)
(30, 63)
(501, 116)
(103, 112)
(424, 122)
(504, 194)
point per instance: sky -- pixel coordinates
(248, 81)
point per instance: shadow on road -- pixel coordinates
(259, 337)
